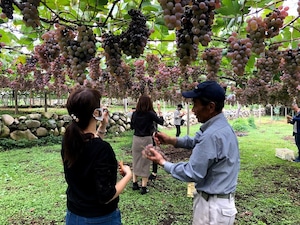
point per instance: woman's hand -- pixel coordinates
(124, 169)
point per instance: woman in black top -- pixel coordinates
(90, 164)
(142, 123)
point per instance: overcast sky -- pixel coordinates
(293, 4)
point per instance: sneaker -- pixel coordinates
(152, 177)
(135, 186)
(144, 190)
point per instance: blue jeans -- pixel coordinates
(113, 218)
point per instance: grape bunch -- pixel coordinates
(196, 23)
(239, 51)
(7, 8)
(113, 53)
(298, 8)
(77, 51)
(256, 28)
(274, 21)
(213, 57)
(202, 20)
(152, 64)
(63, 35)
(41, 80)
(291, 63)
(187, 49)
(59, 83)
(173, 10)
(268, 65)
(162, 78)
(134, 39)
(48, 51)
(94, 69)
(30, 13)
(175, 74)
(31, 61)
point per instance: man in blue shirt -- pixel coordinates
(295, 120)
(215, 161)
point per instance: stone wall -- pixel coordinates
(36, 125)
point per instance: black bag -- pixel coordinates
(182, 122)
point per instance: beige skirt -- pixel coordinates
(140, 164)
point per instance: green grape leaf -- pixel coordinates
(230, 8)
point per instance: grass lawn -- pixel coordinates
(32, 186)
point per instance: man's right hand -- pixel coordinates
(162, 138)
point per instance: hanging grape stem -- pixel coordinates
(110, 12)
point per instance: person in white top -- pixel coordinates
(177, 119)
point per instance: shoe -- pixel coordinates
(152, 177)
(135, 186)
(144, 190)
(297, 160)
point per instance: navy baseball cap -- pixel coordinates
(207, 89)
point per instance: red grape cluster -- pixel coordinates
(31, 61)
(94, 69)
(40, 80)
(213, 57)
(30, 13)
(48, 51)
(274, 21)
(152, 64)
(268, 65)
(59, 84)
(175, 74)
(193, 73)
(239, 51)
(173, 10)
(139, 74)
(113, 53)
(162, 78)
(134, 39)
(7, 8)
(63, 35)
(291, 63)
(256, 28)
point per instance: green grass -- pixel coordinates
(32, 186)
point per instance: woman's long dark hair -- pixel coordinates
(144, 104)
(81, 104)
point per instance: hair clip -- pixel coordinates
(74, 118)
